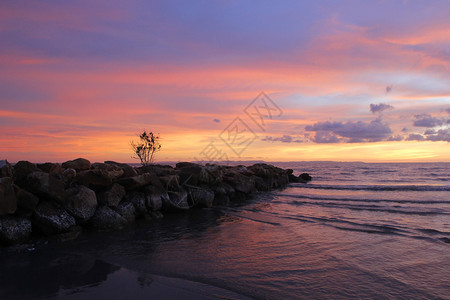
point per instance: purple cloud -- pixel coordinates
(415, 137)
(324, 137)
(426, 120)
(440, 135)
(375, 108)
(354, 132)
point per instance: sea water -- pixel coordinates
(357, 230)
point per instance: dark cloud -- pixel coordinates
(323, 137)
(405, 129)
(353, 131)
(430, 131)
(448, 110)
(426, 120)
(376, 108)
(216, 120)
(388, 89)
(415, 137)
(284, 139)
(440, 135)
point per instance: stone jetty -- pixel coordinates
(51, 199)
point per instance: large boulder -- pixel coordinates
(6, 170)
(21, 171)
(52, 219)
(107, 218)
(26, 201)
(14, 230)
(154, 197)
(8, 199)
(51, 168)
(96, 179)
(112, 196)
(81, 203)
(138, 199)
(45, 186)
(193, 174)
(132, 183)
(128, 171)
(201, 197)
(113, 171)
(304, 177)
(79, 164)
(127, 211)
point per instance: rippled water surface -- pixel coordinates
(378, 231)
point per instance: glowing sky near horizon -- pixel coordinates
(354, 80)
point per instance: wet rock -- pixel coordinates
(6, 170)
(81, 203)
(8, 200)
(201, 197)
(193, 174)
(128, 171)
(240, 182)
(107, 218)
(261, 184)
(138, 199)
(26, 201)
(154, 197)
(304, 177)
(112, 196)
(45, 186)
(51, 219)
(127, 211)
(14, 230)
(21, 171)
(79, 164)
(132, 183)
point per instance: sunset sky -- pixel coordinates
(343, 80)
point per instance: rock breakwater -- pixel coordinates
(63, 199)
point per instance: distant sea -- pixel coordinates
(356, 231)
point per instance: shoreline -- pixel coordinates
(62, 200)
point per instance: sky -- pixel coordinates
(226, 80)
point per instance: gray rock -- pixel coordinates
(8, 200)
(45, 186)
(112, 196)
(201, 197)
(14, 230)
(106, 218)
(128, 171)
(239, 182)
(79, 164)
(127, 211)
(138, 199)
(113, 171)
(68, 176)
(132, 183)
(51, 219)
(81, 203)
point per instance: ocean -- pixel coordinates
(356, 231)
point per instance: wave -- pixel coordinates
(316, 197)
(373, 187)
(376, 208)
